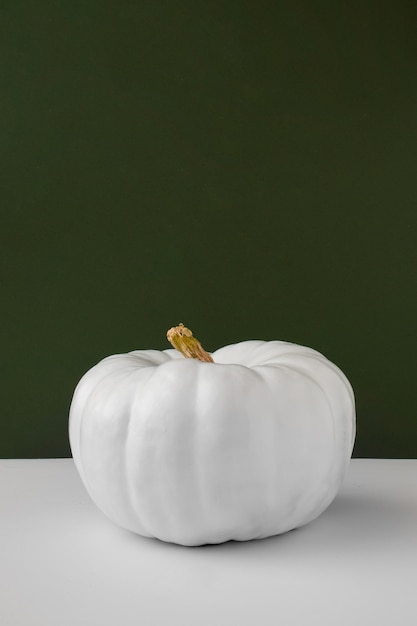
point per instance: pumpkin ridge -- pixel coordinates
(137, 516)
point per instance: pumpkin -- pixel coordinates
(193, 448)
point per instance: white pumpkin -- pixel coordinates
(251, 445)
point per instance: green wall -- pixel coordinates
(247, 168)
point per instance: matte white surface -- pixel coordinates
(62, 563)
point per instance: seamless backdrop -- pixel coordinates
(247, 168)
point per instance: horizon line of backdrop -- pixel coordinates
(245, 168)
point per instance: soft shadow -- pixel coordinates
(351, 524)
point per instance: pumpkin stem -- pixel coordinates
(182, 339)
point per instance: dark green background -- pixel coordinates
(248, 168)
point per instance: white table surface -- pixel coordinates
(62, 563)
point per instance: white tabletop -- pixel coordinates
(62, 563)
